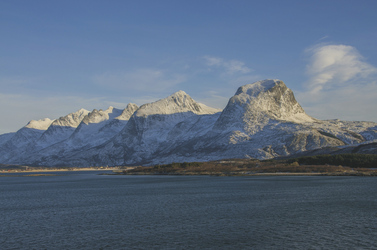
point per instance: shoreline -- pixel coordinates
(254, 174)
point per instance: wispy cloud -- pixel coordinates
(335, 65)
(341, 84)
(230, 66)
(214, 98)
(141, 80)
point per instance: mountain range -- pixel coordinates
(262, 120)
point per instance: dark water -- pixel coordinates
(90, 211)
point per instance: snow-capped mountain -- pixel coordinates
(37, 135)
(148, 127)
(61, 128)
(95, 128)
(262, 120)
(23, 140)
(255, 105)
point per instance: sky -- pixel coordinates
(57, 57)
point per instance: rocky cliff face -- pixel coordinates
(262, 120)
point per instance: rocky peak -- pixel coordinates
(255, 104)
(42, 124)
(97, 116)
(254, 89)
(71, 120)
(272, 97)
(127, 112)
(179, 102)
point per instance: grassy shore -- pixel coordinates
(242, 167)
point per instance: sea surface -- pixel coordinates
(85, 210)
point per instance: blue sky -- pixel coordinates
(59, 56)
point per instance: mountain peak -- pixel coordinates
(272, 99)
(179, 102)
(97, 116)
(42, 124)
(255, 104)
(127, 112)
(71, 120)
(254, 89)
(109, 109)
(179, 93)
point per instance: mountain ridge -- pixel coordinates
(261, 120)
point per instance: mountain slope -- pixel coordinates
(95, 128)
(23, 140)
(61, 128)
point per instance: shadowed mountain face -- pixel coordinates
(262, 120)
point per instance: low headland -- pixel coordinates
(330, 165)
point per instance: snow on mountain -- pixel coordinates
(40, 134)
(115, 125)
(150, 129)
(95, 128)
(42, 124)
(152, 122)
(23, 139)
(88, 133)
(179, 102)
(61, 128)
(262, 120)
(98, 127)
(254, 105)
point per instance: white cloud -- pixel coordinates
(150, 80)
(230, 66)
(341, 84)
(335, 65)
